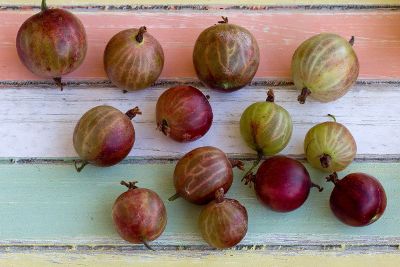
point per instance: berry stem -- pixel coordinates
(303, 96)
(224, 20)
(133, 112)
(325, 160)
(270, 96)
(176, 196)
(130, 185)
(80, 168)
(147, 245)
(351, 41)
(44, 5)
(248, 178)
(59, 82)
(219, 195)
(237, 163)
(320, 189)
(333, 117)
(333, 178)
(139, 36)
(163, 127)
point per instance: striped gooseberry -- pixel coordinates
(133, 59)
(52, 43)
(324, 66)
(201, 172)
(226, 56)
(139, 215)
(183, 113)
(329, 146)
(104, 136)
(266, 128)
(223, 222)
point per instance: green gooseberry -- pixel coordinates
(330, 146)
(266, 128)
(325, 67)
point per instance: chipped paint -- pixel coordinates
(77, 229)
(376, 41)
(210, 7)
(77, 208)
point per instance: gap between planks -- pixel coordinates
(367, 158)
(202, 7)
(128, 248)
(69, 83)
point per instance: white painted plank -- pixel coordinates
(40, 122)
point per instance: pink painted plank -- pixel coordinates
(377, 39)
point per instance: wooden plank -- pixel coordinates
(53, 215)
(278, 34)
(40, 122)
(46, 204)
(204, 2)
(200, 259)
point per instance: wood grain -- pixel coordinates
(46, 204)
(203, 2)
(199, 258)
(40, 122)
(278, 34)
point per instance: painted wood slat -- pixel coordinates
(204, 2)
(198, 258)
(54, 205)
(278, 33)
(40, 122)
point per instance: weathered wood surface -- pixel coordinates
(200, 259)
(40, 122)
(52, 215)
(46, 204)
(278, 34)
(203, 2)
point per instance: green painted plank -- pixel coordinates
(53, 203)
